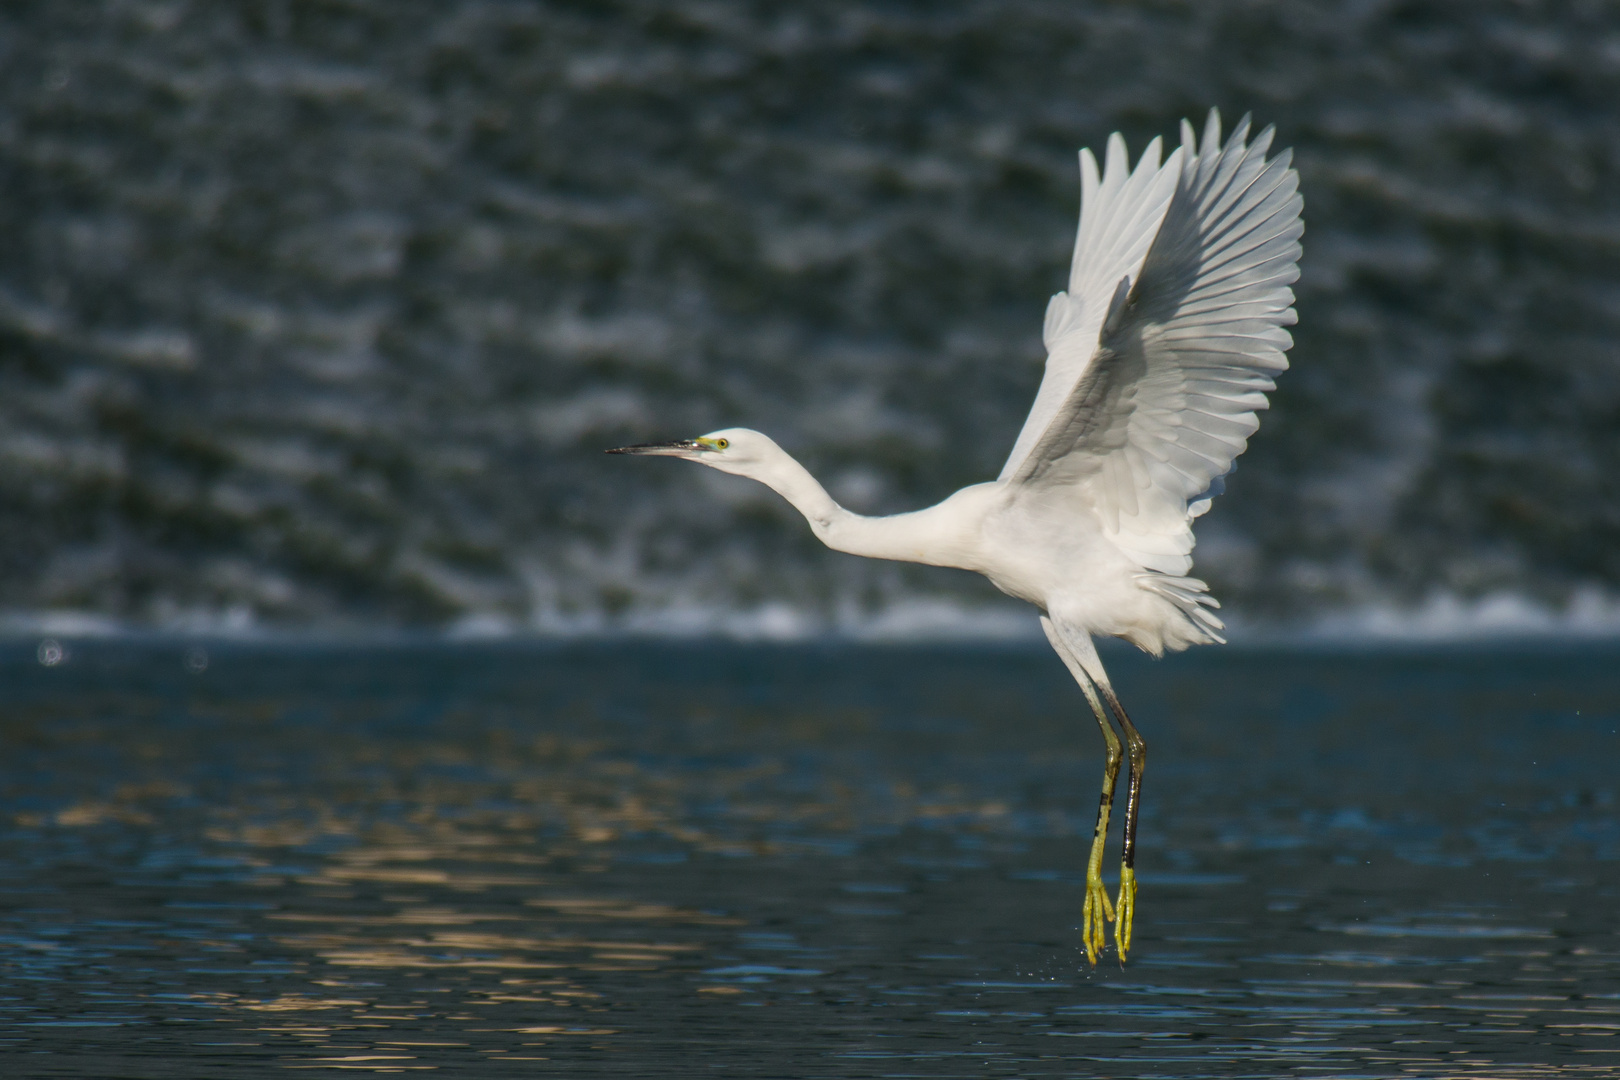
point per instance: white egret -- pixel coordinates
(1158, 356)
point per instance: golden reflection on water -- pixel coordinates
(483, 924)
(462, 904)
(405, 900)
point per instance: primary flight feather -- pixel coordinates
(1159, 355)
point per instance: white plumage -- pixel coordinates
(1159, 354)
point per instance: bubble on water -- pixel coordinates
(51, 652)
(196, 660)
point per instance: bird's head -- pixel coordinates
(734, 450)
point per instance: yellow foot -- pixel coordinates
(1127, 911)
(1098, 910)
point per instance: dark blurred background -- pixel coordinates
(319, 313)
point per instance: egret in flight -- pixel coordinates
(1158, 356)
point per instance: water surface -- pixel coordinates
(835, 861)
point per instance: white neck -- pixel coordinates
(914, 537)
(785, 476)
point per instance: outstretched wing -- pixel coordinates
(1119, 217)
(1184, 355)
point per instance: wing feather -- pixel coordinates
(1159, 391)
(1121, 212)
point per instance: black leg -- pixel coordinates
(1125, 907)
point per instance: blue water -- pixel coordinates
(841, 861)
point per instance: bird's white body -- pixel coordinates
(1159, 354)
(1030, 548)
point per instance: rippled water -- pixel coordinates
(810, 861)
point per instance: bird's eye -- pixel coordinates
(722, 443)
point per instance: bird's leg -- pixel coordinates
(1097, 908)
(1126, 908)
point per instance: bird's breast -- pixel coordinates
(1036, 555)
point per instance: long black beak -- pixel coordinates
(667, 449)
